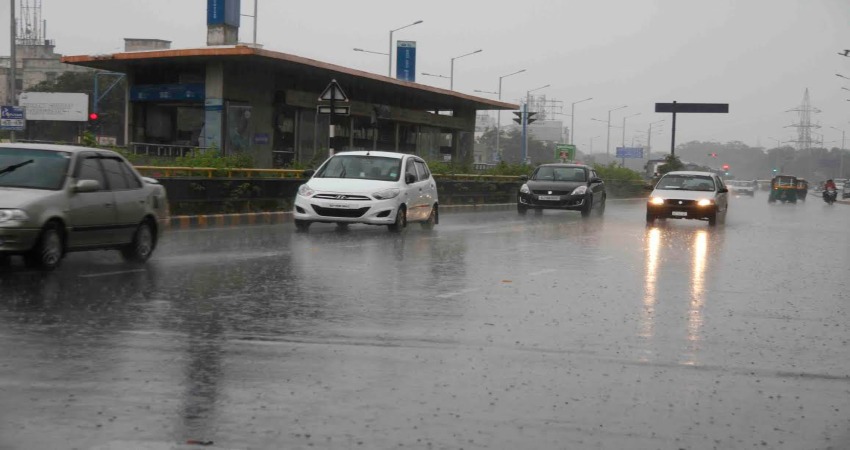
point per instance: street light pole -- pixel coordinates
(13, 65)
(525, 122)
(390, 70)
(499, 115)
(573, 119)
(649, 139)
(608, 137)
(841, 157)
(623, 142)
(452, 74)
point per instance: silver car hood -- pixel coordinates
(12, 198)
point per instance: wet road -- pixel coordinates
(492, 331)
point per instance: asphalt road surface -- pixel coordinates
(491, 331)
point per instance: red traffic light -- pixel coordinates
(93, 116)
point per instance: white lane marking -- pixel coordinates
(106, 274)
(456, 293)
(543, 272)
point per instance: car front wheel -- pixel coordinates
(141, 249)
(588, 207)
(400, 220)
(302, 225)
(48, 251)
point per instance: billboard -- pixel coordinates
(223, 12)
(630, 152)
(59, 106)
(405, 68)
(565, 152)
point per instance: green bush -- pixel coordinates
(620, 181)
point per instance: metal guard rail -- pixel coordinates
(213, 172)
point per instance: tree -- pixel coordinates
(671, 163)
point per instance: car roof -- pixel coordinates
(564, 165)
(374, 153)
(690, 172)
(55, 147)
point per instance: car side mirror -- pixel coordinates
(409, 178)
(87, 186)
(595, 180)
(308, 173)
(523, 177)
(723, 190)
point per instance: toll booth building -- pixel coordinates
(246, 100)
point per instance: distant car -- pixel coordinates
(368, 187)
(688, 195)
(573, 187)
(845, 191)
(56, 199)
(741, 187)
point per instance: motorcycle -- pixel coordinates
(830, 195)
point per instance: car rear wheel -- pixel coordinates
(141, 249)
(48, 251)
(302, 225)
(432, 219)
(400, 220)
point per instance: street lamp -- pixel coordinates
(573, 118)
(649, 138)
(842, 76)
(452, 81)
(486, 92)
(433, 75)
(525, 122)
(499, 114)
(623, 144)
(608, 137)
(370, 51)
(390, 71)
(591, 143)
(841, 159)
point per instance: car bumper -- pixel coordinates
(373, 212)
(567, 202)
(18, 240)
(681, 212)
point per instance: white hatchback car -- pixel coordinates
(688, 195)
(370, 187)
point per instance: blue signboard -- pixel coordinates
(223, 12)
(261, 138)
(405, 68)
(188, 92)
(630, 152)
(13, 118)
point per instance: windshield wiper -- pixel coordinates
(15, 167)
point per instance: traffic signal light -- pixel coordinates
(530, 117)
(93, 117)
(713, 155)
(518, 118)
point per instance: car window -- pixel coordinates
(89, 169)
(686, 182)
(422, 170)
(114, 175)
(34, 169)
(132, 180)
(362, 167)
(410, 168)
(555, 173)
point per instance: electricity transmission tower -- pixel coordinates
(804, 126)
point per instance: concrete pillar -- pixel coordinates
(214, 107)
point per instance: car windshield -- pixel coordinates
(686, 183)
(361, 167)
(554, 173)
(33, 169)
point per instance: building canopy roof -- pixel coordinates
(415, 95)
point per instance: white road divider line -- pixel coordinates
(456, 293)
(106, 274)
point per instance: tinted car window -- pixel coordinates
(114, 174)
(90, 170)
(411, 169)
(422, 170)
(360, 166)
(131, 177)
(553, 173)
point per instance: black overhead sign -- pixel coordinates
(692, 107)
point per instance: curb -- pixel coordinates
(279, 217)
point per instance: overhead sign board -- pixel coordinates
(333, 93)
(338, 110)
(13, 118)
(182, 92)
(630, 152)
(692, 107)
(405, 68)
(58, 106)
(565, 152)
(223, 12)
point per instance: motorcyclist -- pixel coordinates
(829, 185)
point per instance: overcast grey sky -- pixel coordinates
(757, 55)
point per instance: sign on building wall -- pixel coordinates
(12, 118)
(59, 106)
(191, 92)
(223, 12)
(406, 61)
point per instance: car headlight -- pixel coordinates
(387, 194)
(524, 189)
(656, 200)
(8, 215)
(705, 202)
(305, 191)
(581, 190)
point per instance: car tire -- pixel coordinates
(400, 220)
(48, 251)
(144, 242)
(5, 260)
(588, 207)
(432, 219)
(302, 225)
(600, 210)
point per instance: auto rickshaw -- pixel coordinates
(783, 188)
(802, 189)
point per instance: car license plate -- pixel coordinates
(340, 205)
(680, 213)
(550, 197)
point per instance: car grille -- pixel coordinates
(670, 202)
(357, 198)
(547, 192)
(339, 212)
